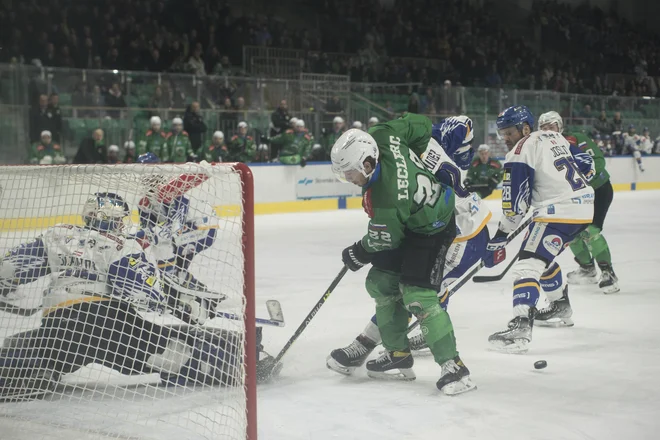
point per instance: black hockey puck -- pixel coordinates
(540, 365)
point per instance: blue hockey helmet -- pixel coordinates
(516, 116)
(148, 158)
(597, 137)
(607, 137)
(105, 211)
(645, 129)
(631, 127)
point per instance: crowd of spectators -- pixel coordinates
(461, 41)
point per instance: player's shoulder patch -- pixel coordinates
(495, 164)
(475, 162)
(308, 137)
(41, 148)
(290, 130)
(367, 204)
(184, 132)
(234, 137)
(212, 147)
(571, 139)
(249, 138)
(520, 144)
(169, 135)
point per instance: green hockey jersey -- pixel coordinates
(402, 195)
(588, 146)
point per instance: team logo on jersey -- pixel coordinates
(551, 209)
(553, 243)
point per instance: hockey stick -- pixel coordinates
(487, 279)
(274, 311)
(273, 367)
(514, 234)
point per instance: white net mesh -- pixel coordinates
(110, 327)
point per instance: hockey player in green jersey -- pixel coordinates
(410, 229)
(590, 245)
(154, 139)
(241, 146)
(217, 150)
(46, 152)
(484, 174)
(178, 146)
(294, 145)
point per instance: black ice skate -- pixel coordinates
(392, 365)
(418, 343)
(455, 378)
(585, 274)
(557, 314)
(609, 283)
(517, 336)
(346, 360)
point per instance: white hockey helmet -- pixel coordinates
(113, 149)
(357, 124)
(219, 135)
(483, 147)
(338, 120)
(155, 120)
(350, 152)
(104, 211)
(177, 121)
(373, 121)
(552, 117)
(129, 145)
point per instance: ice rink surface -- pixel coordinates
(603, 375)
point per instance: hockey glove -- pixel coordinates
(355, 257)
(495, 250)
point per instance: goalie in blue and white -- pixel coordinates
(168, 230)
(102, 290)
(467, 249)
(547, 175)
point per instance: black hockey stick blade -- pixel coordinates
(488, 279)
(274, 365)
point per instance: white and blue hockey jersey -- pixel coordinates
(84, 265)
(472, 214)
(545, 173)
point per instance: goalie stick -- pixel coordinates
(273, 367)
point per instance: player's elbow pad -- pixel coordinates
(25, 263)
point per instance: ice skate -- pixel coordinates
(585, 274)
(392, 365)
(346, 360)
(557, 314)
(455, 378)
(418, 343)
(516, 337)
(609, 283)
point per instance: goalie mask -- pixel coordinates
(105, 212)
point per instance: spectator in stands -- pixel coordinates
(113, 155)
(46, 152)
(602, 125)
(92, 149)
(115, 100)
(196, 63)
(194, 124)
(40, 119)
(160, 100)
(55, 117)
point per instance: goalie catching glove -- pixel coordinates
(355, 257)
(190, 299)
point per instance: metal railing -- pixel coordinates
(85, 104)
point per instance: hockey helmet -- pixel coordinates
(516, 115)
(551, 117)
(349, 153)
(148, 158)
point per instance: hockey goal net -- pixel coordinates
(118, 374)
